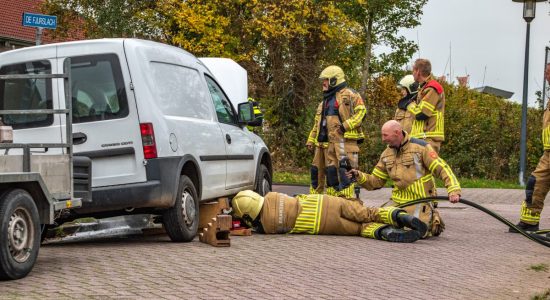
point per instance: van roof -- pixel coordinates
(110, 41)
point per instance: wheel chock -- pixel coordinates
(216, 233)
(214, 226)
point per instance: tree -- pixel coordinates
(380, 22)
(282, 44)
(100, 19)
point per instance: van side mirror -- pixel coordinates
(250, 115)
(246, 113)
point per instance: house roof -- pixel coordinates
(11, 15)
(494, 91)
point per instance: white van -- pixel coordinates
(159, 131)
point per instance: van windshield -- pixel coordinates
(23, 94)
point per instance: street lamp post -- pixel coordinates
(529, 7)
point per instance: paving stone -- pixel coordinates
(475, 258)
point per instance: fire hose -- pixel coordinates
(534, 236)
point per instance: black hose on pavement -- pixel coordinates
(532, 236)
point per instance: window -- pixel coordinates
(98, 88)
(222, 105)
(23, 94)
(180, 91)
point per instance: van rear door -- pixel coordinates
(31, 94)
(105, 121)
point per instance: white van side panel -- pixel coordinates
(199, 137)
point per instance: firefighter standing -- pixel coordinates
(410, 163)
(323, 214)
(429, 112)
(404, 112)
(317, 171)
(342, 112)
(538, 183)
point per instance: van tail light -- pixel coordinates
(148, 140)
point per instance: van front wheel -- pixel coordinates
(263, 183)
(182, 220)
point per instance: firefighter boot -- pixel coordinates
(524, 227)
(398, 235)
(406, 220)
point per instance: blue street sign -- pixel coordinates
(36, 20)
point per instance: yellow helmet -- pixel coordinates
(408, 83)
(334, 74)
(247, 203)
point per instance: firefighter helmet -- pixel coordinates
(247, 203)
(408, 84)
(334, 74)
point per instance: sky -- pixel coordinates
(484, 36)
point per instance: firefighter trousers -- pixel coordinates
(318, 171)
(337, 183)
(435, 145)
(536, 190)
(427, 213)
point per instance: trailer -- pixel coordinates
(36, 182)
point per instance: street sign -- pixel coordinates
(42, 21)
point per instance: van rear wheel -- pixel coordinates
(19, 234)
(182, 220)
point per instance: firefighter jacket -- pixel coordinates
(546, 128)
(411, 168)
(429, 112)
(313, 134)
(402, 114)
(351, 112)
(320, 214)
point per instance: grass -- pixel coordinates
(539, 268)
(543, 296)
(304, 178)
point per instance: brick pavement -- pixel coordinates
(474, 259)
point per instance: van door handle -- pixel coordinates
(228, 138)
(79, 138)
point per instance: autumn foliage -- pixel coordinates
(285, 44)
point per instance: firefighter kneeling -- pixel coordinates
(323, 214)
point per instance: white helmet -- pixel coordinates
(408, 84)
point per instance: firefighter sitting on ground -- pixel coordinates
(342, 112)
(323, 214)
(410, 163)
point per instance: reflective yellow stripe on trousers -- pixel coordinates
(528, 215)
(308, 220)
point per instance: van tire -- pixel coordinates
(19, 234)
(263, 184)
(182, 220)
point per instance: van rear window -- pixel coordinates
(23, 94)
(98, 88)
